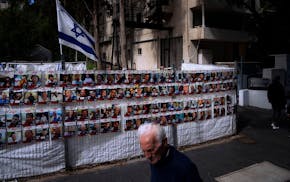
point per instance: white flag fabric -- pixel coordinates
(73, 35)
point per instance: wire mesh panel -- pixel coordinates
(31, 159)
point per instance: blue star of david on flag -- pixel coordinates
(73, 35)
(78, 31)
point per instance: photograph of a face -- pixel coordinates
(28, 119)
(14, 137)
(129, 125)
(42, 134)
(28, 135)
(55, 116)
(30, 97)
(43, 96)
(51, 80)
(20, 81)
(69, 95)
(13, 119)
(41, 117)
(106, 127)
(55, 131)
(94, 128)
(16, 97)
(5, 82)
(88, 79)
(56, 95)
(70, 115)
(69, 129)
(65, 80)
(4, 97)
(34, 81)
(82, 94)
(83, 129)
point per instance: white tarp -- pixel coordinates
(106, 147)
(31, 159)
(202, 67)
(56, 66)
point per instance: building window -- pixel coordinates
(196, 16)
(104, 56)
(139, 51)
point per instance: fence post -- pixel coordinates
(174, 134)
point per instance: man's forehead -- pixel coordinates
(148, 137)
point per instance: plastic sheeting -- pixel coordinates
(46, 157)
(106, 147)
(56, 66)
(31, 160)
(202, 67)
(116, 146)
(198, 132)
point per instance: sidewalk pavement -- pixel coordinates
(255, 142)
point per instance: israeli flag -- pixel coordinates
(72, 35)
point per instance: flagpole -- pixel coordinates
(66, 153)
(61, 57)
(60, 45)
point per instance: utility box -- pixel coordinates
(243, 97)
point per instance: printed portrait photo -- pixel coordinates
(94, 128)
(41, 118)
(5, 82)
(28, 119)
(55, 131)
(51, 80)
(13, 137)
(16, 97)
(82, 129)
(77, 80)
(4, 97)
(20, 81)
(44, 96)
(88, 79)
(55, 116)
(69, 130)
(65, 80)
(28, 136)
(30, 97)
(41, 134)
(34, 81)
(13, 120)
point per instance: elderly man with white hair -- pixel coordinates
(166, 163)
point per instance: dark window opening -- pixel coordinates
(139, 51)
(196, 16)
(224, 20)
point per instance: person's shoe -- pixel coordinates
(275, 127)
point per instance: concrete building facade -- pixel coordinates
(166, 33)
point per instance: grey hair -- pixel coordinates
(154, 128)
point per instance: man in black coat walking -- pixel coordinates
(276, 96)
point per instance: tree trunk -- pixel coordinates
(96, 34)
(122, 36)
